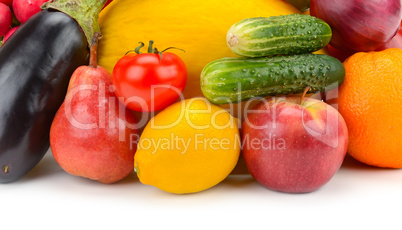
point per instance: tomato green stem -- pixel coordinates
(156, 51)
(150, 47)
(172, 48)
(137, 50)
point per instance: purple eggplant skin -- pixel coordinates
(36, 64)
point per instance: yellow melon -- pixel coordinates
(198, 27)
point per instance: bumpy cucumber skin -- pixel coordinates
(232, 80)
(285, 34)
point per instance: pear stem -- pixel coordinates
(304, 94)
(93, 55)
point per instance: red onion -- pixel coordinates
(395, 42)
(359, 25)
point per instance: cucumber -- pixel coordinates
(232, 80)
(285, 34)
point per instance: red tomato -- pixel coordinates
(145, 82)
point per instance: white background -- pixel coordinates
(358, 197)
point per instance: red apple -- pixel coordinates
(292, 147)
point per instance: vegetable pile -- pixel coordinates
(164, 114)
(232, 80)
(36, 64)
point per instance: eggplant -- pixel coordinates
(36, 64)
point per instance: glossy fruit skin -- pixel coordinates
(294, 148)
(36, 64)
(100, 143)
(212, 151)
(145, 82)
(359, 25)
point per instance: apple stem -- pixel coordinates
(304, 94)
(93, 60)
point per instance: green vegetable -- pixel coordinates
(232, 80)
(285, 34)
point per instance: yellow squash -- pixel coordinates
(198, 27)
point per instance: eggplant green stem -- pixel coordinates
(85, 12)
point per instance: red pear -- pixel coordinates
(92, 134)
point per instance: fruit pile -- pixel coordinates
(276, 131)
(183, 113)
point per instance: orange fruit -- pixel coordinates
(370, 100)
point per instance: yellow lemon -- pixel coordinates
(188, 147)
(198, 27)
